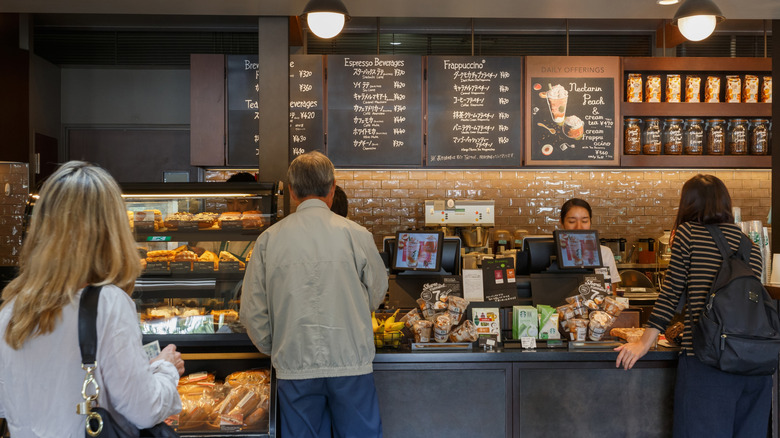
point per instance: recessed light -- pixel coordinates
(395, 43)
(667, 2)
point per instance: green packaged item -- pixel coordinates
(548, 322)
(524, 322)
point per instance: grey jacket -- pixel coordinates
(310, 287)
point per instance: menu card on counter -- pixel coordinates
(243, 116)
(571, 119)
(307, 117)
(474, 111)
(375, 110)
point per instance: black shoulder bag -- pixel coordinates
(99, 422)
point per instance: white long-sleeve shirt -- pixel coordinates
(40, 384)
(308, 293)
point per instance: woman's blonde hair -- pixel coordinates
(79, 235)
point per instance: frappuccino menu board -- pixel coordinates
(307, 130)
(474, 111)
(243, 116)
(572, 107)
(375, 110)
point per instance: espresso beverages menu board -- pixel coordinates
(474, 111)
(572, 110)
(243, 116)
(307, 124)
(375, 110)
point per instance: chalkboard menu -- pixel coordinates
(375, 110)
(573, 108)
(307, 130)
(243, 116)
(474, 111)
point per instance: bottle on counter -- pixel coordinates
(738, 137)
(759, 137)
(673, 137)
(694, 137)
(716, 137)
(651, 137)
(632, 144)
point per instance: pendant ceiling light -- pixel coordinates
(697, 18)
(326, 18)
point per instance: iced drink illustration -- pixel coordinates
(557, 97)
(412, 252)
(573, 127)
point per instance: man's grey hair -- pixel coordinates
(311, 174)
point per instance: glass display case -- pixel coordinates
(194, 240)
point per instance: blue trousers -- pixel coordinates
(710, 403)
(342, 407)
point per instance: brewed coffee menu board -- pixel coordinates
(375, 110)
(474, 111)
(307, 117)
(243, 113)
(571, 119)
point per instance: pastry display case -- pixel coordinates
(194, 240)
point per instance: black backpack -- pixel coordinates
(739, 328)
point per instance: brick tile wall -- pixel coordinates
(626, 203)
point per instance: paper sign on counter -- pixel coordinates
(472, 285)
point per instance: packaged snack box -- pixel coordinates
(525, 322)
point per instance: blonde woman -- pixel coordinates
(78, 236)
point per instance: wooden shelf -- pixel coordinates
(698, 161)
(689, 64)
(698, 110)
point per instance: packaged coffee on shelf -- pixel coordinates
(759, 137)
(766, 90)
(693, 89)
(634, 88)
(441, 327)
(673, 88)
(712, 89)
(733, 89)
(422, 330)
(653, 88)
(750, 89)
(716, 137)
(632, 144)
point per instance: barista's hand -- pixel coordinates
(170, 354)
(633, 351)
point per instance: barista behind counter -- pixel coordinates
(576, 214)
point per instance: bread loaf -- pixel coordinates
(632, 334)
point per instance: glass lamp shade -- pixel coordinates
(697, 27)
(325, 24)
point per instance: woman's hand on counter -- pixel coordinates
(629, 353)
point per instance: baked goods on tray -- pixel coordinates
(629, 334)
(205, 219)
(252, 219)
(225, 256)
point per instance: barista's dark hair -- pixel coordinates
(575, 202)
(242, 177)
(706, 200)
(311, 174)
(340, 203)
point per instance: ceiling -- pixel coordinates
(573, 9)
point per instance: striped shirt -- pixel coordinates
(695, 262)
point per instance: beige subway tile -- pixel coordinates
(363, 174)
(408, 184)
(390, 184)
(363, 193)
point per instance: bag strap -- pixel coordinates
(88, 306)
(744, 244)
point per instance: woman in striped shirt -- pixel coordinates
(707, 401)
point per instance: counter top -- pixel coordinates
(406, 355)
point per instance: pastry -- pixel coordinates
(631, 334)
(227, 315)
(185, 256)
(230, 216)
(205, 220)
(252, 219)
(225, 256)
(209, 256)
(159, 256)
(173, 220)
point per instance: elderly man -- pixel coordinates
(309, 290)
